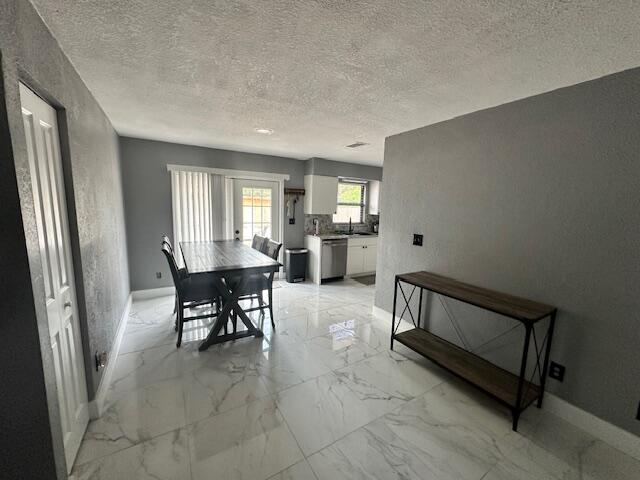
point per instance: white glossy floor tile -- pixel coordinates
(222, 383)
(322, 384)
(282, 365)
(322, 410)
(247, 443)
(138, 369)
(551, 441)
(133, 417)
(299, 471)
(142, 337)
(388, 380)
(311, 324)
(373, 452)
(162, 458)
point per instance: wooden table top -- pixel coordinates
(225, 256)
(502, 303)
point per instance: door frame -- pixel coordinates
(273, 186)
(74, 273)
(233, 174)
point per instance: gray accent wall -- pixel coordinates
(331, 168)
(147, 193)
(31, 448)
(538, 198)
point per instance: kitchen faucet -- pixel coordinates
(350, 227)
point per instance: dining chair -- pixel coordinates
(258, 242)
(258, 283)
(191, 290)
(265, 245)
(181, 271)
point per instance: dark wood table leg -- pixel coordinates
(230, 303)
(222, 319)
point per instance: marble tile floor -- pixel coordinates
(321, 398)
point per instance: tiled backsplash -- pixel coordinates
(327, 225)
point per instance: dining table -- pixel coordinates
(224, 260)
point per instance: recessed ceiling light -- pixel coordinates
(264, 131)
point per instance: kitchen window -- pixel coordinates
(351, 201)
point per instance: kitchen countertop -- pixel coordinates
(338, 236)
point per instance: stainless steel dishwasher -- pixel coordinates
(334, 259)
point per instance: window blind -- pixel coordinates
(199, 207)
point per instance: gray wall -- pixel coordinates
(331, 168)
(92, 174)
(538, 198)
(147, 193)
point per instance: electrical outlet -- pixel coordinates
(101, 360)
(556, 371)
(158, 275)
(417, 239)
(292, 221)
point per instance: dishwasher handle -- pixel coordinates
(334, 243)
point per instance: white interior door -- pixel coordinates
(256, 210)
(41, 131)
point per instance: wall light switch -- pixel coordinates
(158, 275)
(417, 239)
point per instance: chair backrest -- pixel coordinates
(265, 244)
(168, 253)
(257, 242)
(165, 239)
(272, 249)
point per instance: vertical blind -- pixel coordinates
(199, 207)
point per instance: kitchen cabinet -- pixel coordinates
(362, 255)
(321, 195)
(370, 258)
(373, 206)
(355, 259)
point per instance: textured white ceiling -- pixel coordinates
(327, 73)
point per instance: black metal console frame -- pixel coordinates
(530, 333)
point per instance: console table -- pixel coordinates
(514, 391)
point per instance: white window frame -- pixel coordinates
(362, 204)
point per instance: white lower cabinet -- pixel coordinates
(361, 255)
(355, 260)
(370, 254)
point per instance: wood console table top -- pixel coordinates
(518, 308)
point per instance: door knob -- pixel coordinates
(67, 305)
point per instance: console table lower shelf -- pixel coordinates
(514, 391)
(495, 381)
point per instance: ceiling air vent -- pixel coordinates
(357, 145)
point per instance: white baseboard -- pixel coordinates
(96, 406)
(618, 438)
(381, 313)
(152, 293)
(624, 441)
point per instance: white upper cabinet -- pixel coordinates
(321, 195)
(374, 197)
